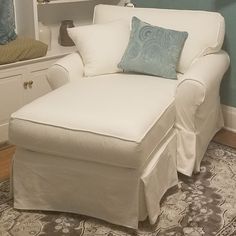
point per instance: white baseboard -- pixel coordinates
(229, 114)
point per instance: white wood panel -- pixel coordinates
(11, 97)
(30, 12)
(52, 14)
(14, 95)
(62, 1)
(25, 17)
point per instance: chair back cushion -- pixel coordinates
(206, 30)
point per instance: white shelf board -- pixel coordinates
(61, 1)
(60, 51)
(30, 61)
(55, 48)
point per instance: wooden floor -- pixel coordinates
(6, 154)
(225, 137)
(7, 151)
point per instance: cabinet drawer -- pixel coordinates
(38, 85)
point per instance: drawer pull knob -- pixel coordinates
(25, 84)
(31, 83)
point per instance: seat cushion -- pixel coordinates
(116, 119)
(205, 29)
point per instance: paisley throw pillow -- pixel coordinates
(153, 50)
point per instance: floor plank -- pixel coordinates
(6, 154)
(226, 137)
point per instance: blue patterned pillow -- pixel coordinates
(153, 50)
(7, 21)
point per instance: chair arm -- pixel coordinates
(198, 87)
(65, 70)
(198, 113)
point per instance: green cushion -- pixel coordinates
(153, 50)
(22, 49)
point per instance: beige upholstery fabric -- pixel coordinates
(22, 49)
(198, 112)
(118, 195)
(198, 109)
(113, 119)
(66, 69)
(108, 140)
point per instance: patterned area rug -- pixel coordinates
(202, 205)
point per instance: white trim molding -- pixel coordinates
(229, 114)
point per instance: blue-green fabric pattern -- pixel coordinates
(7, 21)
(153, 50)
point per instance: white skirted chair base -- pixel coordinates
(119, 195)
(109, 156)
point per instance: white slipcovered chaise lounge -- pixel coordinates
(109, 146)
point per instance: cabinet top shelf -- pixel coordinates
(60, 1)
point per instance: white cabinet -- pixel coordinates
(35, 82)
(29, 13)
(21, 83)
(11, 98)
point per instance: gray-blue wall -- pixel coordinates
(228, 9)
